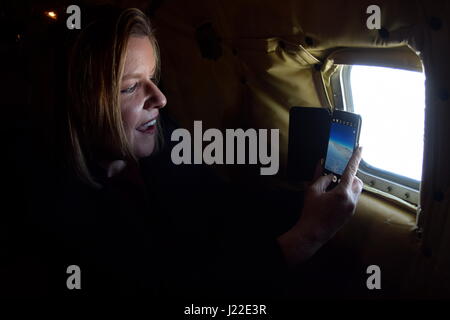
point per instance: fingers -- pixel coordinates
(322, 183)
(351, 169)
(357, 185)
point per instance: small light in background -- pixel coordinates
(51, 14)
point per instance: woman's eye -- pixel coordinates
(154, 80)
(130, 89)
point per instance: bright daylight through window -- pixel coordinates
(391, 103)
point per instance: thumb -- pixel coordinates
(323, 182)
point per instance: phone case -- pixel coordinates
(308, 140)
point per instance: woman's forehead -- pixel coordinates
(140, 57)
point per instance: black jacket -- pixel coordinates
(186, 234)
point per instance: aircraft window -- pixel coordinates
(391, 103)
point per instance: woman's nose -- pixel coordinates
(155, 98)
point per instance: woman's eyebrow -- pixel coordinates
(137, 75)
(132, 76)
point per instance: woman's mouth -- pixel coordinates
(148, 127)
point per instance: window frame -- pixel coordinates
(397, 185)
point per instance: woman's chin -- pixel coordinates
(144, 150)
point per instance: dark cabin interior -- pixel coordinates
(235, 64)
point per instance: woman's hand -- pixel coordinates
(324, 212)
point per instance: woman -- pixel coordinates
(114, 124)
(113, 94)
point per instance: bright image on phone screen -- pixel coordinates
(340, 146)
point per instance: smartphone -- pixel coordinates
(343, 140)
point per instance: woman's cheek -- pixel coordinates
(130, 114)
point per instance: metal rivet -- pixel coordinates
(435, 23)
(372, 183)
(407, 195)
(389, 188)
(383, 33)
(208, 41)
(309, 41)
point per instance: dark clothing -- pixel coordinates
(224, 235)
(185, 234)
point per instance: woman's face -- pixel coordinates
(140, 98)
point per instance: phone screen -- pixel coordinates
(343, 135)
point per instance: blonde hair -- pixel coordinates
(96, 66)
